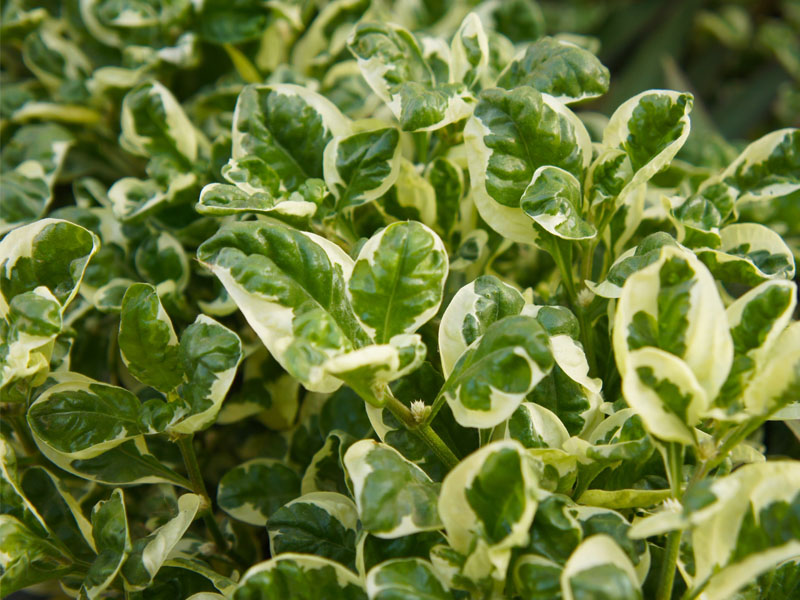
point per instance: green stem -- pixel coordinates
(186, 445)
(20, 426)
(421, 141)
(423, 430)
(666, 578)
(563, 260)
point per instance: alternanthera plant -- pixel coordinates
(381, 313)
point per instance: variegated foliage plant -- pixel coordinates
(379, 312)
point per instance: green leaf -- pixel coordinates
(487, 504)
(599, 569)
(209, 355)
(326, 471)
(558, 68)
(14, 500)
(26, 558)
(368, 369)
(147, 340)
(749, 520)
(650, 128)
(512, 134)
(672, 307)
(254, 490)
(537, 578)
(554, 201)
(148, 554)
(767, 168)
(50, 252)
(474, 307)
(633, 260)
(81, 418)
(60, 511)
(394, 497)
(494, 374)
(534, 426)
(113, 543)
(31, 162)
(749, 253)
(290, 286)
(361, 167)
(219, 199)
(756, 319)
(665, 393)
(469, 51)
(447, 181)
(777, 383)
(33, 322)
(567, 390)
(406, 579)
(154, 124)
(161, 258)
(299, 577)
(320, 523)
(393, 65)
(398, 280)
(288, 127)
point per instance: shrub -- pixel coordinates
(395, 322)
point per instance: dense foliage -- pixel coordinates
(353, 300)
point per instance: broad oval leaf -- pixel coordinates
(154, 123)
(487, 504)
(554, 201)
(469, 52)
(290, 286)
(406, 579)
(512, 134)
(474, 308)
(495, 373)
(650, 128)
(254, 490)
(398, 280)
(756, 320)
(361, 167)
(395, 497)
(744, 524)
(394, 66)
(210, 354)
(113, 542)
(673, 305)
(149, 553)
(299, 577)
(147, 340)
(82, 418)
(767, 168)
(749, 253)
(320, 523)
(32, 160)
(287, 126)
(599, 569)
(559, 68)
(28, 558)
(50, 252)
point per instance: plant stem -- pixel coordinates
(666, 577)
(186, 445)
(20, 426)
(563, 261)
(674, 466)
(423, 430)
(421, 141)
